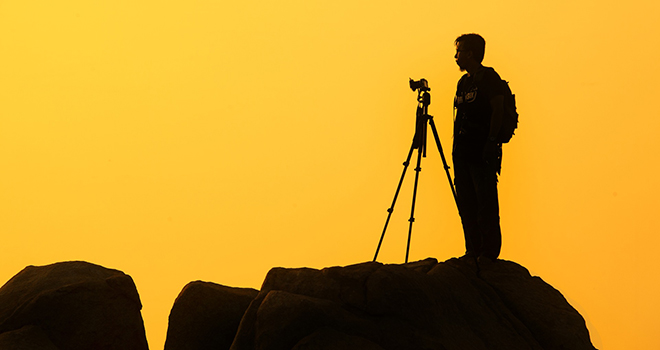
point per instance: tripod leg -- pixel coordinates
(396, 195)
(418, 169)
(444, 160)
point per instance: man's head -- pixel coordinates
(470, 50)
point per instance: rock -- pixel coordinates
(554, 323)
(75, 306)
(330, 339)
(26, 338)
(420, 305)
(206, 316)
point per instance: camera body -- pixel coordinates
(421, 84)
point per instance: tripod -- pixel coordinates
(419, 144)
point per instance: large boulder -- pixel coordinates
(452, 305)
(71, 306)
(26, 338)
(206, 315)
(553, 322)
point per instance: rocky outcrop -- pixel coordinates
(71, 306)
(422, 305)
(451, 305)
(206, 315)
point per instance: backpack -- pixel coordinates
(510, 114)
(510, 117)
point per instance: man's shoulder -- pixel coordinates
(487, 73)
(490, 82)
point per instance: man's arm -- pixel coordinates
(497, 105)
(491, 152)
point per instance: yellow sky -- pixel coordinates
(212, 140)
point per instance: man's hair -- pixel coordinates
(474, 43)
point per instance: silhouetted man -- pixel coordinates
(477, 155)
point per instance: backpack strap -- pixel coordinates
(456, 95)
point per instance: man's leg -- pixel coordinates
(468, 206)
(488, 212)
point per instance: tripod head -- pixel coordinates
(421, 84)
(424, 100)
(422, 87)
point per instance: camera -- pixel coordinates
(421, 84)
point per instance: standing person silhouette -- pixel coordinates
(477, 155)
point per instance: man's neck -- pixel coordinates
(473, 69)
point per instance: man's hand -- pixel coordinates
(492, 153)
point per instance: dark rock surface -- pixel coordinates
(206, 316)
(26, 338)
(421, 305)
(71, 306)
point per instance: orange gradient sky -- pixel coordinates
(212, 140)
